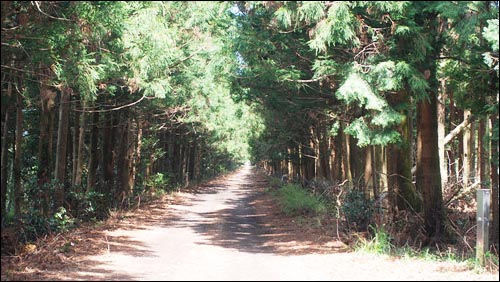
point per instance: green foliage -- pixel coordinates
(380, 243)
(294, 200)
(357, 90)
(61, 220)
(356, 209)
(157, 181)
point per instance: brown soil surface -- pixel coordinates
(226, 229)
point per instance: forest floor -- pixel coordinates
(226, 229)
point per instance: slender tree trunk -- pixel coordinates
(62, 141)
(382, 166)
(336, 157)
(4, 161)
(187, 163)
(482, 158)
(197, 162)
(81, 141)
(170, 149)
(93, 157)
(6, 107)
(346, 157)
(441, 112)
(74, 142)
(368, 174)
(467, 151)
(18, 188)
(452, 152)
(137, 159)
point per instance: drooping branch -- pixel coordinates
(113, 109)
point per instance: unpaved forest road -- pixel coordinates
(218, 234)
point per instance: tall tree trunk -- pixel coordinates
(62, 141)
(187, 164)
(467, 150)
(428, 173)
(171, 150)
(368, 174)
(482, 157)
(108, 156)
(452, 152)
(47, 102)
(494, 183)
(407, 196)
(441, 113)
(125, 153)
(93, 156)
(382, 166)
(336, 157)
(346, 156)
(136, 161)
(6, 108)
(80, 155)
(18, 188)
(73, 141)
(4, 161)
(197, 161)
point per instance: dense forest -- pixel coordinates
(106, 102)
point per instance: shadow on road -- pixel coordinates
(253, 223)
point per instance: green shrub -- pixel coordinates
(296, 201)
(357, 210)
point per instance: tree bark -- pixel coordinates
(93, 157)
(467, 150)
(80, 155)
(4, 162)
(482, 157)
(18, 188)
(494, 232)
(368, 172)
(441, 114)
(428, 173)
(62, 141)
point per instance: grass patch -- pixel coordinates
(294, 201)
(379, 244)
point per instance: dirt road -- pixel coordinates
(219, 234)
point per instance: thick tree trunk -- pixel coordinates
(108, 157)
(62, 141)
(428, 170)
(494, 233)
(44, 150)
(407, 197)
